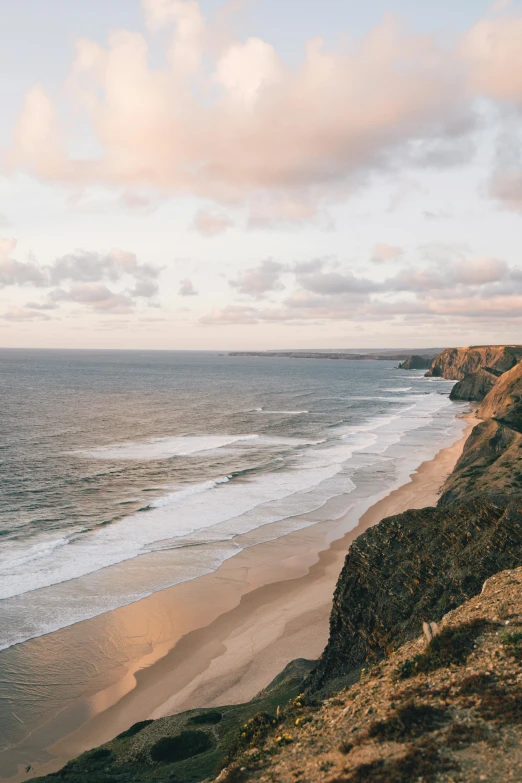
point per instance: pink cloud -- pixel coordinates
(210, 223)
(281, 140)
(492, 49)
(383, 252)
(292, 134)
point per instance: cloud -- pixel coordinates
(337, 283)
(230, 121)
(383, 252)
(145, 288)
(230, 315)
(492, 49)
(506, 187)
(97, 297)
(258, 281)
(88, 266)
(133, 201)
(257, 130)
(85, 273)
(461, 288)
(307, 267)
(14, 272)
(186, 288)
(24, 314)
(210, 223)
(501, 5)
(479, 271)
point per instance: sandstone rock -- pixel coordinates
(504, 401)
(474, 386)
(455, 363)
(489, 466)
(416, 362)
(413, 568)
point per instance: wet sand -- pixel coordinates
(221, 638)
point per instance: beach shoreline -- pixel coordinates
(232, 631)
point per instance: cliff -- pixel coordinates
(491, 463)
(455, 363)
(416, 362)
(411, 568)
(474, 386)
(444, 710)
(418, 565)
(504, 401)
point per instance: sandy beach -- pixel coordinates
(218, 639)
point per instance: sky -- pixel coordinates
(253, 175)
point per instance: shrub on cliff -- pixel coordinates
(182, 746)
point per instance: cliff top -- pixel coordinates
(438, 711)
(456, 363)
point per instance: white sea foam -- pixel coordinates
(403, 389)
(288, 413)
(217, 510)
(164, 448)
(172, 518)
(181, 494)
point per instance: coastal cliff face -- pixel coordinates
(455, 363)
(416, 362)
(418, 565)
(444, 710)
(411, 568)
(504, 401)
(491, 463)
(474, 386)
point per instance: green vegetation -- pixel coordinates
(206, 718)
(134, 729)
(172, 750)
(513, 641)
(182, 746)
(451, 647)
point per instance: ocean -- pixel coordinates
(125, 472)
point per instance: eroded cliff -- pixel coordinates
(504, 401)
(475, 386)
(411, 568)
(416, 362)
(455, 363)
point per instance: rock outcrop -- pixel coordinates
(490, 465)
(504, 401)
(411, 568)
(475, 386)
(444, 710)
(416, 362)
(455, 363)
(416, 566)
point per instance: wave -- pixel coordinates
(37, 551)
(397, 390)
(196, 489)
(311, 473)
(288, 413)
(164, 448)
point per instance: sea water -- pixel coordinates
(178, 460)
